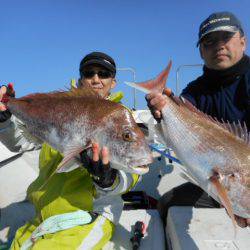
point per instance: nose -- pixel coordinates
(220, 44)
(96, 78)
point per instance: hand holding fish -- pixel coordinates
(99, 165)
(242, 222)
(156, 101)
(3, 91)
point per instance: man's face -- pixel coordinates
(99, 79)
(221, 50)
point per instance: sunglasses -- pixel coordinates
(210, 41)
(103, 74)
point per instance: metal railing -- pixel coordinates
(132, 70)
(177, 86)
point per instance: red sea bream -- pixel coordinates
(216, 156)
(71, 121)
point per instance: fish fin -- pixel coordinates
(154, 85)
(82, 92)
(73, 92)
(68, 166)
(222, 193)
(239, 130)
(26, 134)
(69, 156)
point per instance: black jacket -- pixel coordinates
(225, 94)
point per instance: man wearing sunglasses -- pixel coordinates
(87, 201)
(223, 92)
(97, 70)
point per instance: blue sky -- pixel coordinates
(42, 42)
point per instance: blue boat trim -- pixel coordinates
(156, 148)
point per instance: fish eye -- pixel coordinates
(127, 136)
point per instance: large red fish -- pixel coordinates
(71, 121)
(215, 155)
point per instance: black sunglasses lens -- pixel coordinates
(211, 41)
(88, 74)
(104, 74)
(101, 74)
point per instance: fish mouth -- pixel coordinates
(134, 167)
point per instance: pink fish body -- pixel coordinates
(208, 150)
(216, 156)
(70, 121)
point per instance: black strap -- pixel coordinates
(10, 159)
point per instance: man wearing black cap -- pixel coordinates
(98, 70)
(86, 201)
(222, 91)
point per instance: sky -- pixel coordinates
(42, 42)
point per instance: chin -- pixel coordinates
(222, 65)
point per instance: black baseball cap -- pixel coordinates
(220, 21)
(98, 58)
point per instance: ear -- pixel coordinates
(113, 84)
(243, 41)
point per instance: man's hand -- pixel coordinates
(242, 222)
(98, 165)
(3, 91)
(156, 102)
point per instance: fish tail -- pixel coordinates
(157, 84)
(154, 85)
